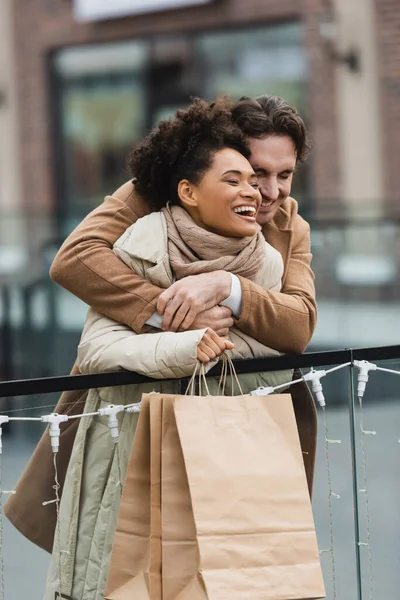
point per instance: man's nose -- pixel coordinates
(270, 189)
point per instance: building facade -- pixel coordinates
(83, 85)
(88, 90)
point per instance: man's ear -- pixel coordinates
(187, 194)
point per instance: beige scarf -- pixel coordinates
(193, 250)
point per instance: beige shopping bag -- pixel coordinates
(156, 420)
(216, 504)
(135, 566)
(236, 514)
(180, 551)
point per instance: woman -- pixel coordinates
(193, 168)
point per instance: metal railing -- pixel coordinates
(46, 385)
(29, 387)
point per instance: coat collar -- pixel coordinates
(148, 238)
(280, 235)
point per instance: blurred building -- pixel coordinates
(11, 221)
(91, 77)
(94, 76)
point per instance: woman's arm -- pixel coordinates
(87, 267)
(108, 346)
(283, 320)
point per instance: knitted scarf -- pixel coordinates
(193, 250)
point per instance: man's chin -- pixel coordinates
(265, 217)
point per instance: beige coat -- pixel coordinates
(89, 506)
(87, 267)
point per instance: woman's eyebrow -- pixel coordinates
(236, 172)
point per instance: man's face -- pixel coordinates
(273, 159)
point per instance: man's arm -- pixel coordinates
(283, 320)
(87, 267)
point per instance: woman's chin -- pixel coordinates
(246, 231)
(250, 229)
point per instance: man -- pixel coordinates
(86, 266)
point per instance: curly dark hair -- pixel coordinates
(271, 115)
(183, 147)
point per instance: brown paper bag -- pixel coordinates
(236, 514)
(130, 561)
(156, 420)
(232, 508)
(135, 568)
(180, 553)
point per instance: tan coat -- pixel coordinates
(86, 266)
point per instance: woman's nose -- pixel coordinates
(250, 191)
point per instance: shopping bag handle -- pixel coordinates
(227, 361)
(200, 371)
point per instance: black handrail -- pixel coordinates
(46, 385)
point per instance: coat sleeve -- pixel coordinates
(283, 320)
(109, 346)
(86, 265)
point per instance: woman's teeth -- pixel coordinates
(245, 209)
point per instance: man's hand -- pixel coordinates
(218, 318)
(211, 346)
(185, 299)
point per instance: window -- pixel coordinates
(108, 96)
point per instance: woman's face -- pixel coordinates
(227, 198)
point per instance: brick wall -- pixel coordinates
(388, 31)
(43, 25)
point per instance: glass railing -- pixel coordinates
(356, 494)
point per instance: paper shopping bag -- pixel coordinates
(180, 553)
(156, 419)
(236, 514)
(135, 567)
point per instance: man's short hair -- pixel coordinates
(271, 115)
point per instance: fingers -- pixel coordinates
(179, 307)
(223, 332)
(202, 356)
(215, 344)
(224, 327)
(186, 323)
(163, 300)
(174, 315)
(223, 312)
(211, 346)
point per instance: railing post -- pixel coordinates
(353, 446)
(6, 335)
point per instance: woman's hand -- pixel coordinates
(211, 346)
(218, 318)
